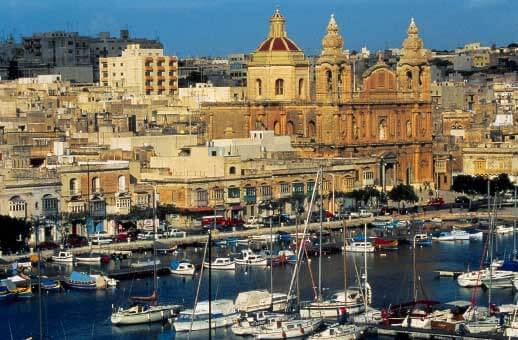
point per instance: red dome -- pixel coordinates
(278, 44)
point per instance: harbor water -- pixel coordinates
(85, 314)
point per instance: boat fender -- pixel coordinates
(301, 330)
(283, 334)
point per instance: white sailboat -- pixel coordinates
(288, 329)
(222, 314)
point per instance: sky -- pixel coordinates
(220, 27)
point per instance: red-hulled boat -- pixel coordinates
(395, 314)
(384, 244)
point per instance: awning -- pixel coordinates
(196, 209)
(236, 207)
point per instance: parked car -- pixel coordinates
(74, 240)
(462, 200)
(149, 235)
(101, 238)
(172, 232)
(122, 237)
(362, 213)
(437, 201)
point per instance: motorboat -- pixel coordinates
(423, 240)
(288, 329)
(454, 235)
(476, 235)
(341, 332)
(63, 256)
(472, 278)
(182, 268)
(223, 314)
(359, 247)
(499, 279)
(88, 258)
(382, 222)
(352, 300)
(384, 244)
(250, 324)
(220, 263)
(81, 281)
(250, 259)
(371, 316)
(140, 313)
(487, 325)
(260, 300)
(143, 264)
(6, 294)
(504, 229)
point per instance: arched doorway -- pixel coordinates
(290, 128)
(276, 128)
(312, 129)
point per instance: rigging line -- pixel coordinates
(198, 288)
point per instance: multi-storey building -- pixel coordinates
(140, 71)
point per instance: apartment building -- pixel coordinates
(142, 71)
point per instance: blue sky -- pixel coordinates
(219, 27)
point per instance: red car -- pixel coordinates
(436, 201)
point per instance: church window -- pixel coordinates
(259, 87)
(409, 80)
(408, 128)
(301, 88)
(382, 130)
(329, 81)
(279, 87)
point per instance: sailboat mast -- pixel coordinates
(514, 226)
(414, 276)
(491, 230)
(40, 314)
(345, 258)
(320, 236)
(271, 252)
(365, 282)
(155, 288)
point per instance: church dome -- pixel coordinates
(413, 41)
(277, 39)
(332, 41)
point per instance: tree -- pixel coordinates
(501, 184)
(14, 233)
(403, 192)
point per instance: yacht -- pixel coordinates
(143, 313)
(352, 301)
(223, 314)
(182, 268)
(249, 325)
(63, 256)
(288, 329)
(472, 278)
(454, 235)
(499, 279)
(261, 300)
(503, 229)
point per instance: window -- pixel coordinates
(382, 130)
(408, 128)
(234, 193)
(348, 183)
(232, 170)
(480, 166)
(266, 191)
(301, 88)
(298, 188)
(329, 81)
(368, 175)
(259, 87)
(279, 87)
(217, 194)
(96, 184)
(122, 184)
(73, 188)
(310, 186)
(285, 188)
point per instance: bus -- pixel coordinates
(209, 221)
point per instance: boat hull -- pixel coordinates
(200, 325)
(154, 314)
(329, 310)
(187, 272)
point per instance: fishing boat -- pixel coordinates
(423, 240)
(476, 235)
(50, 285)
(288, 329)
(285, 256)
(359, 247)
(249, 325)
(352, 300)
(6, 294)
(24, 292)
(83, 281)
(89, 258)
(182, 268)
(340, 332)
(222, 314)
(384, 244)
(454, 235)
(63, 256)
(220, 263)
(250, 259)
(142, 264)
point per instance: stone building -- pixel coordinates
(386, 113)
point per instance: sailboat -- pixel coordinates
(145, 308)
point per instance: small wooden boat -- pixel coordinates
(88, 258)
(6, 294)
(24, 292)
(50, 285)
(182, 268)
(221, 263)
(250, 259)
(63, 256)
(383, 244)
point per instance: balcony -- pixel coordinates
(149, 88)
(233, 200)
(148, 68)
(160, 68)
(250, 199)
(201, 203)
(148, 78)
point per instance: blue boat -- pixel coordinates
(81, 281)
(6, 294)
(50, 285)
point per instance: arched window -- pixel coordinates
(122, 184)
(408, 128)
(279, 87)
(409, 80)
(232, 170)
(72, 187)
(259, 87)
(96, 184)
(329, 81)
(382, 133)
(290, 128)
(301, 88)
(312, 130)
(276, 128)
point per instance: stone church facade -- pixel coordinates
(386, 113)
